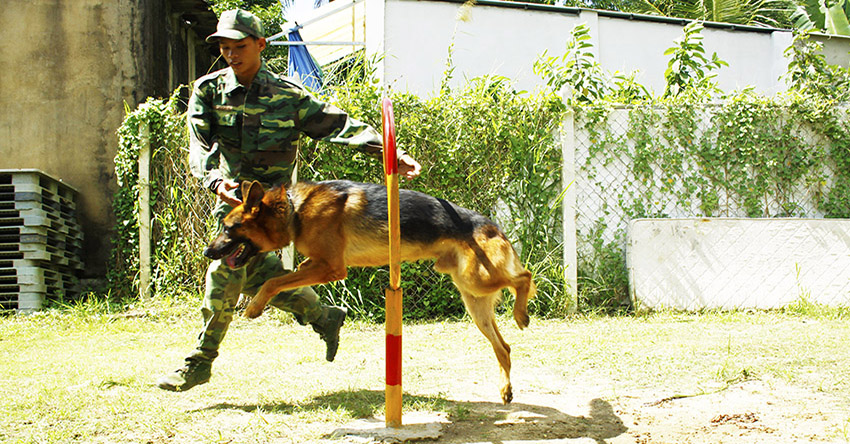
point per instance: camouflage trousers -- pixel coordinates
(225, 284)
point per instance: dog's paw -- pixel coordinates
(522, 319)
(507, 394)
(253, 311)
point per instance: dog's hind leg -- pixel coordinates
(481, 310)
(524, 289)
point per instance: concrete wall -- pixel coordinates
(70, 68)
(505, 39)
(733, 264)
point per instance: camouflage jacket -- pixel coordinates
(241, 133)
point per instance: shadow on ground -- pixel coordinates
(469, 422)
(495, 423)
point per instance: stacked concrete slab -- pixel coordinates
(40, 240)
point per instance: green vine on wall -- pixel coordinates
(124, 264)
(180, 210)
(759, 154)
(698, 151)
(483, 146)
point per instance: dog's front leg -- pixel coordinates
(310, 272)
(261, 299)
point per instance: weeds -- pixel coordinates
(805, 307)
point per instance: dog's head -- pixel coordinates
(247, 230)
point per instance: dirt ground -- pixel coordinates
(746, 412)
(752, 411)
(553, 407)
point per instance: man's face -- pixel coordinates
(243, 56)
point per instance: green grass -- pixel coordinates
(79, 375)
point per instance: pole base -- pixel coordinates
(393, 406)
(419, 426)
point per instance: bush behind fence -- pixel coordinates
(485, 148)
(492, 150)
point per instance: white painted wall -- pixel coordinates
(730, 264)
(415, 36)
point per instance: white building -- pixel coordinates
(505, 38)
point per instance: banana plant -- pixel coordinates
(823, 15)
(743, 12)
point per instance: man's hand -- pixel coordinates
(223, 192)
(408, 167)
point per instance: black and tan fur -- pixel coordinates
(340, 224)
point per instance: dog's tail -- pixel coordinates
(524, 289)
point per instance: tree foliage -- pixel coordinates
(270, 13)
(830, 16)
(743, 12)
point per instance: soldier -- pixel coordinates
(243, 123)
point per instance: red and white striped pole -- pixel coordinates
(393, 293)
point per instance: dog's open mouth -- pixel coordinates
(234, 253)
(240, 254)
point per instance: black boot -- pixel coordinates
(195, 372)
(328, 329)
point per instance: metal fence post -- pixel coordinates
(144, 211)
(568, 173)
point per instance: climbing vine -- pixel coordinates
(751, 156)
(180, 211)
(695, 151)
(698, 151)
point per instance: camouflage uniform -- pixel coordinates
(238, 133)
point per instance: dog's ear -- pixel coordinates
(253, 195)
(245, 188)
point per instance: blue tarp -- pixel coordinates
(302, 65)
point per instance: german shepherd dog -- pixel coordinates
(339, 224)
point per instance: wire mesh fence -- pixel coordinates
(616, 183)
(693, 162)
(728, 160)
(491, 167)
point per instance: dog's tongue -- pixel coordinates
(231, 259)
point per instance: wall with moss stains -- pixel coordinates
(70, 68)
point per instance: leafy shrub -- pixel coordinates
(181, 222)
(493, 150)
(484, 147)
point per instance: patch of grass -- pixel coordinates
(76, 375)
(805, 306)
(843, 431)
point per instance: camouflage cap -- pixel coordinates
(237, 24)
